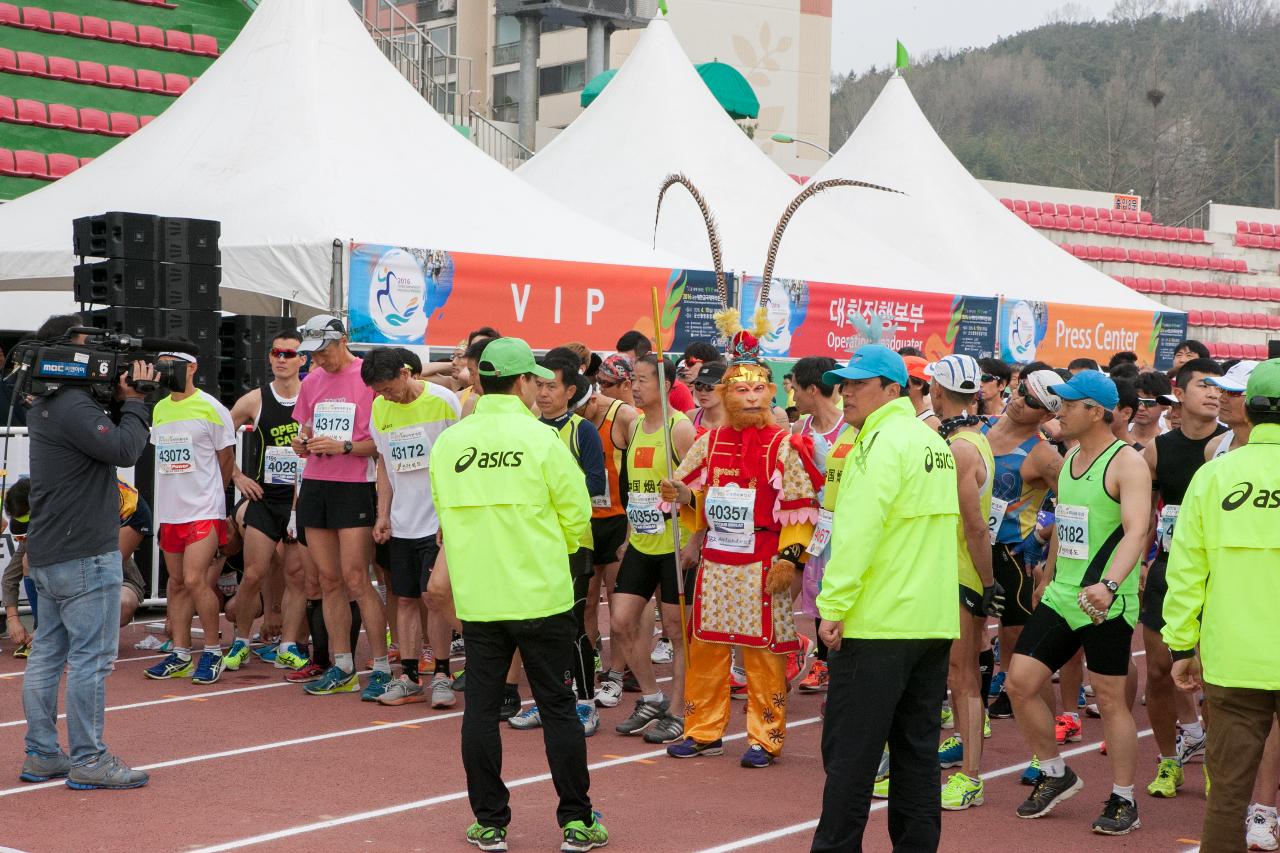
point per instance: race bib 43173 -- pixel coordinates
(336, 420)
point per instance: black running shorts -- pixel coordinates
(329, 505)
(1049, 639)
(608, 534)
(411, 562)
(640, 574)
(270, 517)
(1153, 592)
(1018, 585)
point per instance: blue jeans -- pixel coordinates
(79, 628)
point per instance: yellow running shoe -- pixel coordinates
(961, 792)
(1168, 779)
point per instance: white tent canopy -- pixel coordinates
(947, 219)
(300, 134)
(657, 117)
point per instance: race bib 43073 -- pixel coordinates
(336, 420)
(175, 453)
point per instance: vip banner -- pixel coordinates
(816, 318)
(1056, 333)
(403, 295)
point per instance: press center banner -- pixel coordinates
(1055, 333)
(818, 318)
(434, 297)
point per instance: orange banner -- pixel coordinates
(1056, 333)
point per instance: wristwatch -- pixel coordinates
(346, 448)
(1111, 585)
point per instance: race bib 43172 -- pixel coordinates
(408, 448)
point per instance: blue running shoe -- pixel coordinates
(997, 684)
(529, 718)
(267, 653)
(951, 752)
(377, 686)
(1032, 774)
(690, 748)
(335, 680)
(209, 670)
(173, 666)
(756, 756)
(1084, 698)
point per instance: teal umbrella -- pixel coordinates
(730, 88)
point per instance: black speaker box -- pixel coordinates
(190, 241)
(120, 281)
(1273, 349)
(199, 327)
(189, 287)
(138, 322)
(117, 235)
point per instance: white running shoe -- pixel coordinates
(662, 652)
(1189, 747)
(1261, 830)
(609, 693)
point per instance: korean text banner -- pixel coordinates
(816, 318)
(1056, 333)
(402, 295)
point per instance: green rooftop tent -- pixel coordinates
(729, 87)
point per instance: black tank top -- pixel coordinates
(1177, 460)
(275, 428)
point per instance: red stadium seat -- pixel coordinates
(1241, 225)
(1268, 242)
(1197, 235)
(1144, 217)
(1135, 255)
(1251, 292)
(1255, 227)
(1248, 321)
(1093, 253)
(62, 115)
(8, 60)
(1019, 204)
(1268, 230)
(177, 40)
(1079, 250)
(1104, 213)
(1117, 254)
(1076, 210)
(1237, 291)
(1197, 288)
(143, 121)
(1193, 317)
(1236, 350)
(61, 68)
(1212, 288)
(85, 161)
(94, 120)
(94, 72)
(95, 28)
(61, 165)
(1215, 263)
(1075, 223)
(1061, 221)
(1240, 265)
(32, 112)
(1129, 229)
(1090, 212)
(10, 16)
(1201, 262)
(8, 112)
(1183, 288)
(1220, 319)
(123, 32)
(1158, 286)
(1131, 216)
(31, 64)
(150, 36)
(1273, 322)
(1142, 285)
(37, 19)
(1144, 232)
(1106, 226)
(1062, 209)
(122, 77)
(1162, 258)
(1184, 234)
(7, 166)
(1021, 214)
(1033, 219)
(205, 45)
(1275, 294)
(1090, 225)
(30, 164)
(1007, 202)
(66, 23)
(176, 84)
(150, 81)
(124, 124)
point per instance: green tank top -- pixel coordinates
(1089, 528)
(647, 465)
(968, 574)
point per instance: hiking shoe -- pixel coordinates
(236, 655)
(961, 792)
(986, 725)
(1169, 778)
(1190, 747)
(951, 753)
(209, 670)
(288, 657)
(997, 684)
(579, 838)
(1001, 708)
(817, 679)
(510, 703)
(609, 693)
(589, 717)
(267, 653)
(442, 691)
(402, 691)
(305, 674)
(335, 680)
(756, 756)
(1032, 774)
(1048, 792)
(645, 715)
(487, 837)
(107, 772)
(662, 652)
(1261, 831)
(42, 768)
(529, 718)
(690, 748)
(667, 730)
(173, 666)
(1119, 817)
(377, 685)
(948, 718)
(1067, 729)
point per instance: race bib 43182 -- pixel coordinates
(1073, 531)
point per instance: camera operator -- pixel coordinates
(74, 558)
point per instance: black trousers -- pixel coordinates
(882, 692)
(584, 654)
(547, 646)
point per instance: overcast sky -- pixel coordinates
(863, 32)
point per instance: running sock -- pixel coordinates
(382, 664)
(183, 654)
(345, 661)
(216, 651)
(1055, 767)
(442, 667)
(1195, 730)
(1124, 791)
(986, 666)
(244, 640)
(614, 675)
(319, 633)
(653, 698)
(410, 667)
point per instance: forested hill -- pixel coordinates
(1070, 103)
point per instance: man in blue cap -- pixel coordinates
(1100, 534)
(888, 607)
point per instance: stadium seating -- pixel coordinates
(65, 117)
(119, 32)
(33, 164)
(93, 73)
(1103, 221)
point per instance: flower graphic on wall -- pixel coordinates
(758, 60)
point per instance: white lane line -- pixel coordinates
(21, 672)
(876, 806)
(442, 798)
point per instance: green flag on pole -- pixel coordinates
(904, 61)
(662, 6)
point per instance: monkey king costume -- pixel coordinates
(755, 490)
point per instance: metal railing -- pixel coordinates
(444, 79)
(496, 142)
(1198, 218)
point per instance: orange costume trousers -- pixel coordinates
(706, 689)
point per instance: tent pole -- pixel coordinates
(335, 281)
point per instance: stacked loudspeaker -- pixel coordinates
(159, 278)
(246, 349)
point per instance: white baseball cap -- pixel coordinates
(317, 332)
(957, 372)
(1040, 384)
(1236, 379)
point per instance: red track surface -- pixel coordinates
(254, 763)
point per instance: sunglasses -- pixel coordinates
(703, 387)
(1148, 402)
(606, 384)
(1225, 393)
(283, 353)
(1030, 400)
(987, 377)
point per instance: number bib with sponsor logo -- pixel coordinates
(408, 449)
(334, 420)
(1168, 520)
(175, 454)
(601, 501)
(821, 533)
(996, 517)
(281, 466)
(643, 514)
(1073, 531)
(730, 514)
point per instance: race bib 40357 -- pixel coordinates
(730, 514)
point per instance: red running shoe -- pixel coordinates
(1067, 729)
(796, 660)
(817, 678)
(310, 672)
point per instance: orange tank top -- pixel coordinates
(609, 504)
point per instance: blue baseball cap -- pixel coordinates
(869, 362)
(1089, 385)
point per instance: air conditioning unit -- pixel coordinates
(447, 5)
